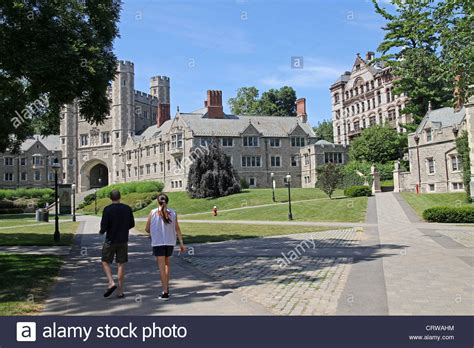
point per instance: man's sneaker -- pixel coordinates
(164, 296)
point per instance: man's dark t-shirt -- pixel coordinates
(117, 219)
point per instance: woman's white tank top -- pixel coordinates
(161, 232)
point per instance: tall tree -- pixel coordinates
(324, 131)
(378, 144)
(427, 43)
(246, 102)
(211, 174)
(274, 102)
(54, 52)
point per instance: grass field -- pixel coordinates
(40, 234)
(331, 210)
(185, 205)
(135, 200)
(25, 281)
(205, 233)
(424, 201)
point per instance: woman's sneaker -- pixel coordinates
(164, 296)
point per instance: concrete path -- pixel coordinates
(43, 250)
(393, 263)
(81, 284)
(431, 274)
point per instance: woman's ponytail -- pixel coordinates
(163, 211)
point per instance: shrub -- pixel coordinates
(449, 214)
(329, 177)
(11, 211)
(357, 191)
(131, 187)
(244, 184)
(25, 193)
(89, 199)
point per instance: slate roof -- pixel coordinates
(444, 117)
(232, 125)
(52, 142)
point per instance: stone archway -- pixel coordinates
(98, 176)
(94, 174)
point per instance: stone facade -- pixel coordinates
(140, 141)
(470, 132)
(435, 165)
(363, 97)
(91, 152)
(320, 153)
(32, 166)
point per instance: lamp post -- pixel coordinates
(73, 207)
(417, 141)
(288, 182)
(273, 186)
(95, 201)
(56, 166)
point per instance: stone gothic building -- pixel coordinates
(140, 140)
(363, 97)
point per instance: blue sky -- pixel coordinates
(212, 44)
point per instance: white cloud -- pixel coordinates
(314, 74)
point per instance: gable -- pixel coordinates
(297, 131)
(250, 130)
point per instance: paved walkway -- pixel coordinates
(81, 284)
(432, 273)
(391, 264)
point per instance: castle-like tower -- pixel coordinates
(93, 154)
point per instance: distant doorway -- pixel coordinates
(99, 176)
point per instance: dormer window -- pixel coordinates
(429, 135)
(297, 141)
(251, 141)
(177, 141)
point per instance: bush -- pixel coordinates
(358, 191)
(25, 193)
(89, 199)
(449, 215)
(244, 184)
(131, 187)
(11, 211)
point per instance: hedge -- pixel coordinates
(357, 191)
(449, 214)
(131, 187)
(10, 194)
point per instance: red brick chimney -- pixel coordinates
(214, 104)
(301, 109)
(163, 114)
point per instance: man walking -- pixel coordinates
(117, 220)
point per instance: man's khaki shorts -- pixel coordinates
(117, 251)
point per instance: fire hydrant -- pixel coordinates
(214, 211)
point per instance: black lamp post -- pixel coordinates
(73, 187)
(288, 182)
(273, 186)
(56, 166)
(95, 202)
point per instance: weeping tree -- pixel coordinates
(211, 173)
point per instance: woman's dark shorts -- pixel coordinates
(117, 251)
(163, 250)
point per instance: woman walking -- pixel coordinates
(162, 225)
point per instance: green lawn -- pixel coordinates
(424, 201)
(181, 202)
(25, 281)
(36, 234)
(331, 210)
(135, 200)
(204, 233)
